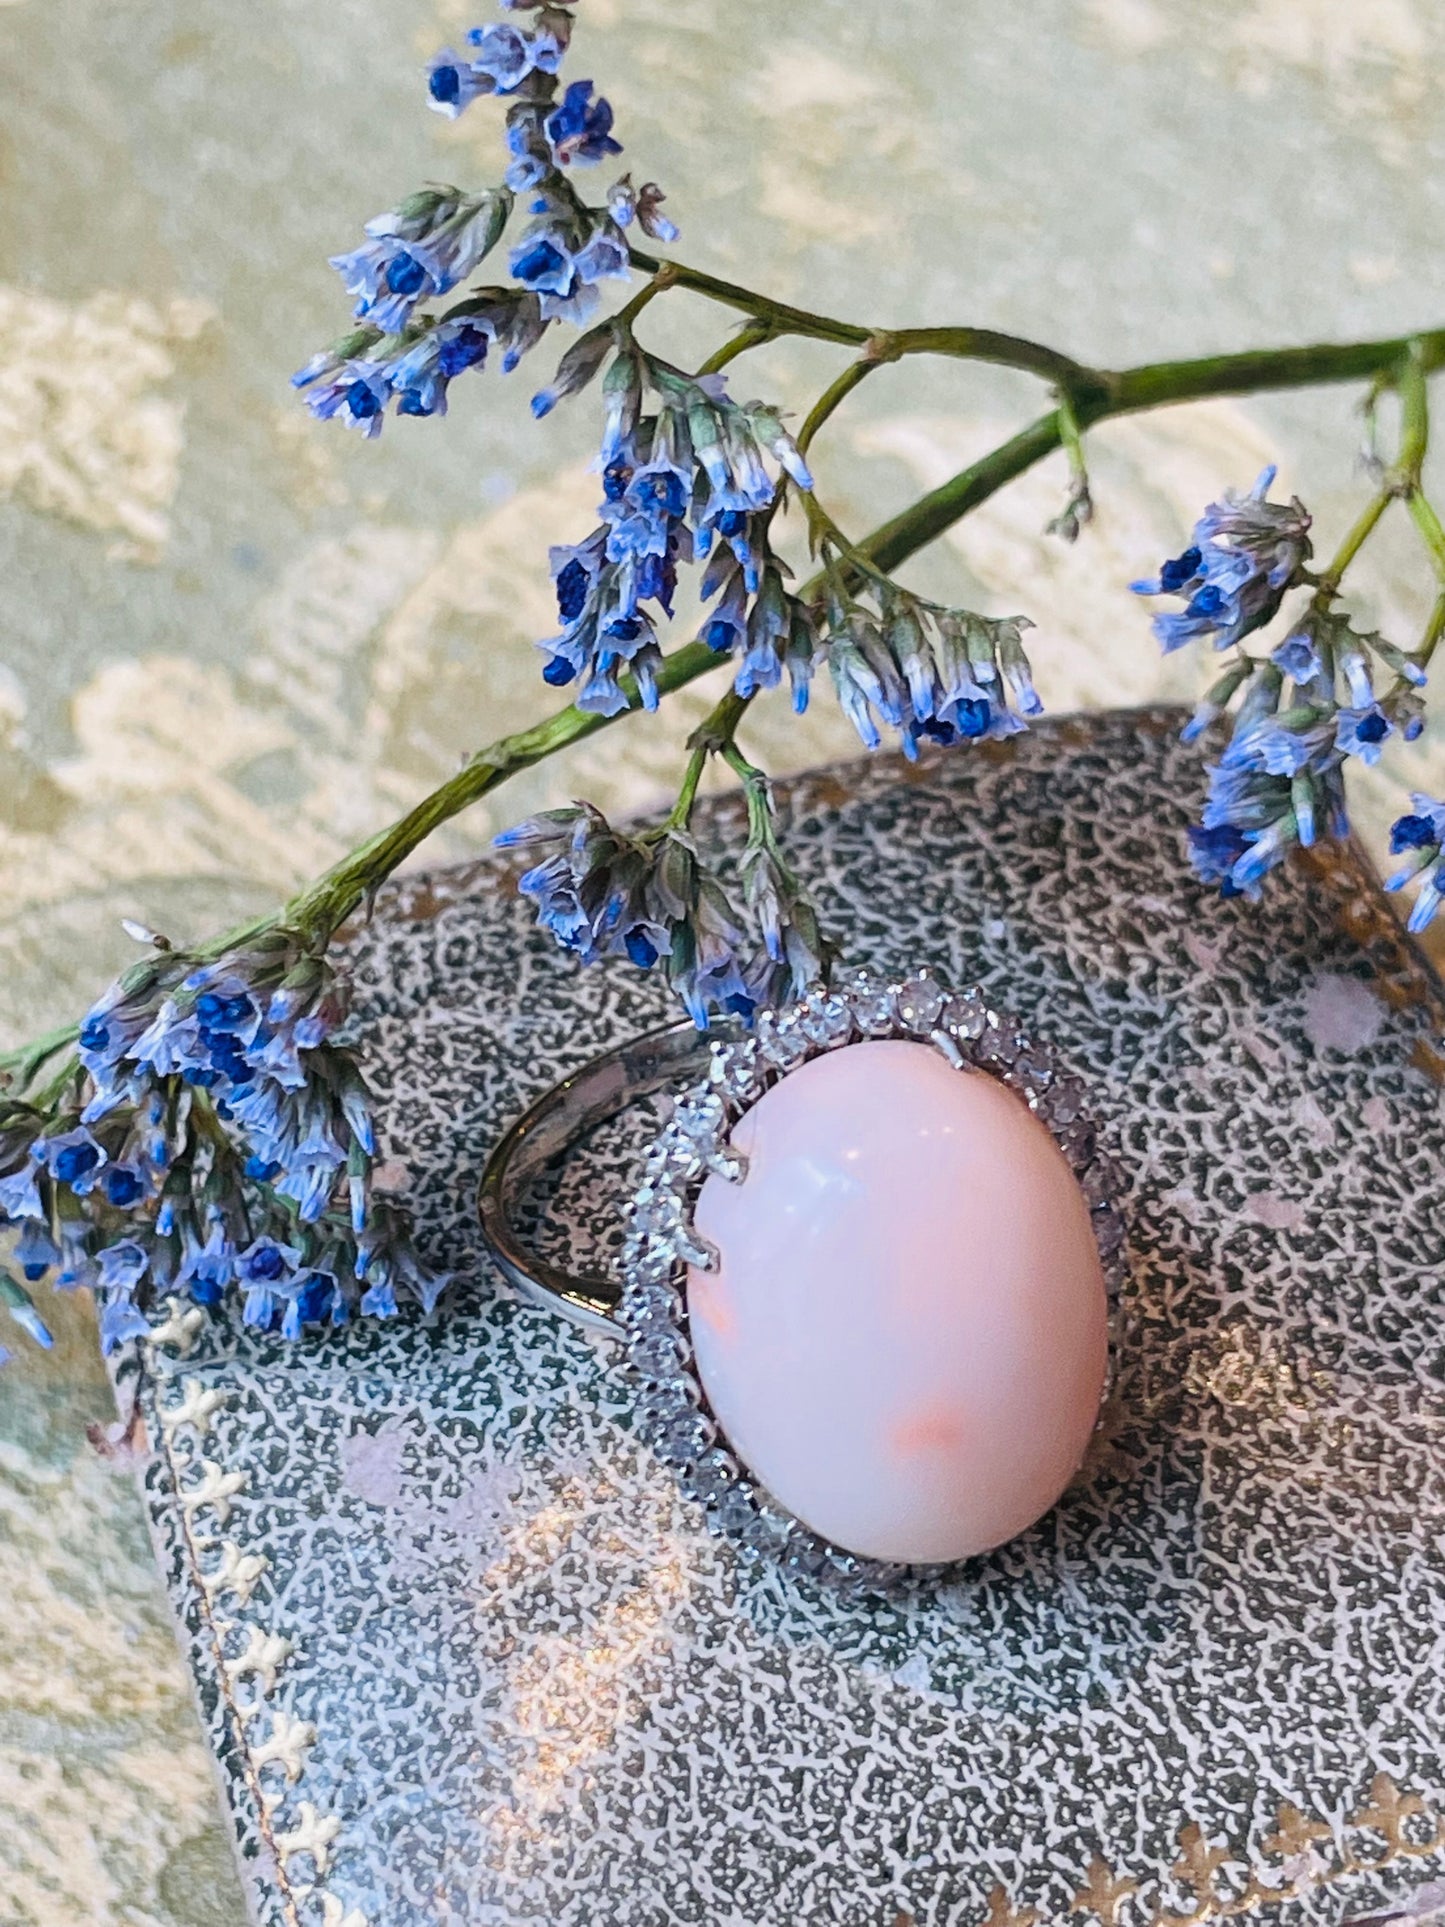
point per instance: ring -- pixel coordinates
(868, 1276)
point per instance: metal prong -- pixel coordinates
(943, 1043)
(728, 1163)
(696, 1250)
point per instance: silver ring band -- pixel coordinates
(672, 1054)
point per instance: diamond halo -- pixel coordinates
(661, 1239)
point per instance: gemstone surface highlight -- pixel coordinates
(907, 1336)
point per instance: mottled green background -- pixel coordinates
(233, 642)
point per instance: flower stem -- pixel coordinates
(837, 391)
(826, 534)
(318, 909)
(1328, 584)
(1434, 629)
(1414, 418)
(972, 344)
(336, 895)
(753, 335)
(659, 284)
(1414, 441)
(755, 789)
(1426, 520)
(713, 737)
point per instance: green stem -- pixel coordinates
(752, 336)
(1434, 629)
(659, 284)
(712, 737)
(1153, 385)
(1328, 584)
(680, 815)
(320, 907)
(972, 344)
(1414, 418)
(755, 790)
(1428, 523)
(1072, 438)
(1317, 364)
(1095, 392)
(837, 391)
(719, 727)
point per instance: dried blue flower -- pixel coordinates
(124, 1194)
(502, 58)
(580, 127)
(566, 252)
(651, 899)
(690, 478)
(626, 204)
(1245, 554)
(74, 1158)
(578, 366)
(1420, 837)
(419, 251)
(34, 1250)
(1306, 709)
(454, 82)
(20, 1190)
(1299, 658)
(796, 953)
(1362, 732)
(1216, 699)
(414, 369)
(939, 676)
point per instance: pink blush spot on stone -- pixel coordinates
(708, 1303)
(918, 1326)
(929, 1432)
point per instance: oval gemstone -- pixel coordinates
(907, 1336)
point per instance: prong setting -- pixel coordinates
(974, 1035)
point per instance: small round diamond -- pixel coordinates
(700, 1116)
(685, 1438)
(964, 1016)
(1001, 1046)
(920, 1004)
(1031, 1075)
(709, 1476)
(651, 1262)
(659, 1405)
(840, 1568)
(804, 1554)
(825, 1021)
(651, 1308)
(872, 1002)
(734, 1512)
(773, 1523)
(657, 1355)
(782, 1040)
(734, 1071)
(656, 1208)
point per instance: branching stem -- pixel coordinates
(1093, 396)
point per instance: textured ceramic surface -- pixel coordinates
(905, 1335)
(467, 1657)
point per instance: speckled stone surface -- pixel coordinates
(467, 1657)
